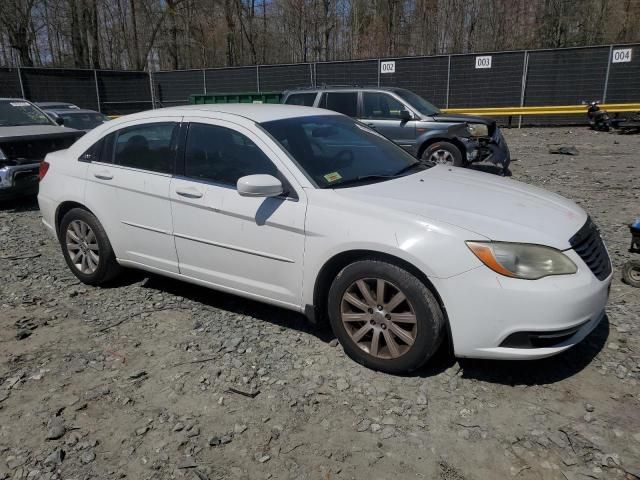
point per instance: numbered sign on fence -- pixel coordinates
(621, 55)
(387, 67)
(483, 61)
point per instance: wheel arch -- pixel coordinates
(62, 210)
(432, 140)
(336, 263)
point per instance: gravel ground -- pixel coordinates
(154, 379)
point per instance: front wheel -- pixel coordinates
(443, 153)
(86, 248)
(384, 317)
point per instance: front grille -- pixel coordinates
(589, 245)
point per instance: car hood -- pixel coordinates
(489, 206)
(451, 118)
(17, 132)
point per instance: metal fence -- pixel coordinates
(502, 79)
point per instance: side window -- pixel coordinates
(341, 102)
(148, 147)
(93, 153)
(381, 106)
(304, 99)
(222, 155)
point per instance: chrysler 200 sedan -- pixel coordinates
(312, 211)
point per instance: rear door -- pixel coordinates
(381, 111)
(306, 99)
(342, 102)
(128, 189)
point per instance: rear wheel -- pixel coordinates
(86, 248)
(443, 153)
(384, 317)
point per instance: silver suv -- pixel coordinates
(413, 123)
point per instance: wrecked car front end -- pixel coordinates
(482, 138)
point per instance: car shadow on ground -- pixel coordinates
(228, 302)
(17, 205)
(490, 168)
(539, 372)
(505, 372)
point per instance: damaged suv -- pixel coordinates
(27, 134)
(413, 123)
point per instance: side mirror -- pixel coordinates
(60, 121)
(405, 115)
(259, 186)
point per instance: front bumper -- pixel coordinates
(487, 311)
(18, 180)
(492, 149)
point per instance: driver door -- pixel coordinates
(381, 112)
(252, 246)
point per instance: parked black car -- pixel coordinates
(77, 118)
(413, 123)
(27, 134)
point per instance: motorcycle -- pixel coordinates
(601, 121)
(598, 119)
(631, 269)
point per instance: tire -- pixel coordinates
(97, 263)
(425, 330)
(443, 153)
(631, 273)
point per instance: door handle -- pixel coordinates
(189, 192)
(103, 175)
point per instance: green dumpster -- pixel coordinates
(241, 97)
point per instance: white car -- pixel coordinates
(312, 211)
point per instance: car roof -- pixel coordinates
(68, 111)
(344, 87)
(257, 112)
(48, 104)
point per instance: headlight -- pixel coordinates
(478, 130)
(522, 260)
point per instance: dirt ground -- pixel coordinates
(155, 379)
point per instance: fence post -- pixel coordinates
(95, 79)
(258, 77)
(153, 100)
(448, 80)
(315, 75)
(21, 84)
(378, 73)
(606, 78)
(523, 88)
(204, 81)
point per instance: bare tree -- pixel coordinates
(203, 33)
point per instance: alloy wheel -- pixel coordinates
(442, 157)
(82, 247)
(379, 318)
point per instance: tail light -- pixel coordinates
(42, 171)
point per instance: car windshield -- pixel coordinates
(417, 102)
(337, 151)
(17, 113)
(82, 121)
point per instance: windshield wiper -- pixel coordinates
(364, 178)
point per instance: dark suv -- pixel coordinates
(413, 123)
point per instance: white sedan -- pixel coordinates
(312, 211)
